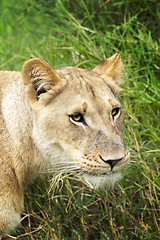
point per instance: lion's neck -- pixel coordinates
(17, 126)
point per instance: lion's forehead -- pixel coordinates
(85, 79)
(86, 88)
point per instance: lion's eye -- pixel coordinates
(77, 117)
(115, 111)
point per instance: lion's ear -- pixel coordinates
(41, 81)
(111, 70)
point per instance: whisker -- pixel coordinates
(65, 164)
(61, 169)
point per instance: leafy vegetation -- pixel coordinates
(81, 33)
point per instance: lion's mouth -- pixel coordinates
(108, 171)
(108, 177)
(100, 174)
(102, 180)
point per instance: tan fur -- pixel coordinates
(38, 133)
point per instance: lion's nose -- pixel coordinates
(111, 162)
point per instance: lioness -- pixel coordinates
(55, 120)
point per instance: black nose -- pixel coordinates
(111, 162)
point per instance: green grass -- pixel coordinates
(81, 33)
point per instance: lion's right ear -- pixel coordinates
(41, 81)
(111, 70)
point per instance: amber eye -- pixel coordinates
(115, 111)
(77, 117)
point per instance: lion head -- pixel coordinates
(77, 118)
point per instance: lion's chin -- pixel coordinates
(102, 181)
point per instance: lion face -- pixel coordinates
(78, 121)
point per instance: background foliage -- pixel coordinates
(81, 33)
